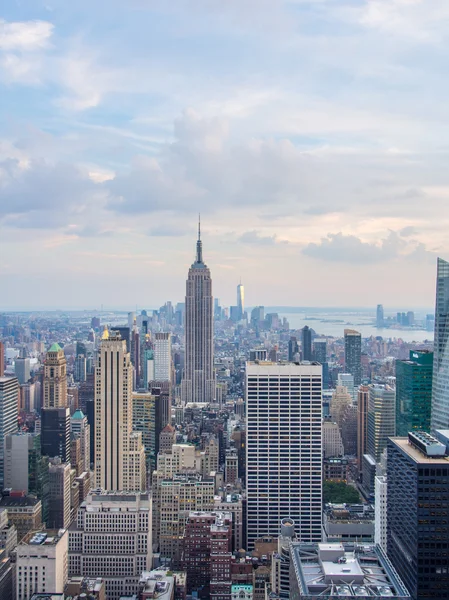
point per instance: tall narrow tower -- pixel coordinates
(119, 454)
(240, 301)
(55, 378)
(440, 383)
(198, 384)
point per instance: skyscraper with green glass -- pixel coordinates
(414, 392)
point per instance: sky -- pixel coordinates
(311, 135)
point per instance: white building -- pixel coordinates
(162, 357)
(119, 453)
(332, 442)
(42, 561)
(284, 448)
(347, 380)
(380, 512)
(17, 457)
(112, 539)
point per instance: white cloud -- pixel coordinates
(25, 35)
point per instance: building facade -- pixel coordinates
(353, 355)
(198, 384)
(414, 392)
(440, 383)
(55, 378)
(381, 420)
(9, 401)
(283, 448)
(119, 453)
(162, 356)
(417, 523)
(111, 538)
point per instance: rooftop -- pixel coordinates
(78, 414)
(13, 501)
(158, 583)
(353, 571)
(416, 455)
(45, 537)
(55, 348)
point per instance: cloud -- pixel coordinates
(255, 237)
(337, 247)
(25, 35)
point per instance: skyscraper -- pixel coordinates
(55, 378)
(353, 355)
(283, 449)
(162, 357)
(362, 417)
(2, 359)
(293, 349)
(22, 369)
(380, 316)
(440, 385)
(417, 524)
(381, 419)
(198, 384)
(306, 343)
(9, 402)
(414, 392)
(240, 301)
(119, 454)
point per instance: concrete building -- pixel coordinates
(93, 588)
(348, 523)
(353, 355)
(9, 400)
(22, 369)
(24, 512)
(280, 564)
(198, 383)
(80, 368)
(231, 466)
(336, 570)
(380, 499)
(381, 421)
(8, 533)
(41, 563)
(347, 380)
(119, 453)
(162, 357)
(341, 400)
(417, 524)
(284, 448)
(178, 497)
(232, 503)
(111, 538)
(60, 494)
(55, 378)
(362, 423)
(159, 583)
(332, 442)
(144, 421)
(79, 428)
(7, 577)
(167, 438)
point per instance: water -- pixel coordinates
(357, 321)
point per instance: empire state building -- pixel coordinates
(198, 384)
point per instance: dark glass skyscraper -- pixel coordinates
(413, 392)
(198, 384)
(306, 343)
(440, 385)
(293, 348)
(353, 355)
(417, 521)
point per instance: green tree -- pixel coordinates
(340, 493)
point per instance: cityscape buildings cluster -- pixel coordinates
(197, 451)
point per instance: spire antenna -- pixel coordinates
(199, 226)
(199, 245)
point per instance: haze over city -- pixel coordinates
(310, 134)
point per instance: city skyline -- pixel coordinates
(316, 165)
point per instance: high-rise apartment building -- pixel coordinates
(341, 400)
(306, 343)
(240, 301)
(55, 378)
(42, 564)
(417, 522)
(440, 384)
(2, 359)
(380, 511)
(198, 384)
(362, 423)
(9, 401)
(381, 420)
(111, 538)
(353, 355)
(414, 392)
(162, 357)
(80, 368)
(119, 453)
(283, 448)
